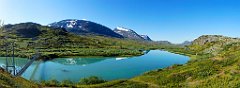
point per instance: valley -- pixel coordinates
(212, 57)
(119, 44)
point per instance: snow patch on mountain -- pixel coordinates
(123, 29)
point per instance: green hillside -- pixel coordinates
(215, 63)
(205, 69)
(218, 68)
(8, 81)
(214, 58)
(31, 38)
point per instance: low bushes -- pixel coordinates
(68, 83)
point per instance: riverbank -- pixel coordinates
(129, 82)
(148, 79)
(101, 52)
(106, 68)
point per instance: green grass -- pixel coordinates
(75, 45)
(202, 71)
(8, 81)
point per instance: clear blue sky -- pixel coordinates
(172, 20)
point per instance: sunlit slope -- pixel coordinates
(8, 81)
(215, 63)
(52, 42)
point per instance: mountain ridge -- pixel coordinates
(130, 34)
(84, 27)
(79, 27)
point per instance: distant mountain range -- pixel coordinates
(83, 27)
(78, 27)
(164, 42)
(185, 43)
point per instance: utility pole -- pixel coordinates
(6, 47)
(10, 61)
(13, 59)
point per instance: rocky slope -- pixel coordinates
(212, 43)
(130, 34)
(145, 37)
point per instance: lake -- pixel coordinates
(108, 68)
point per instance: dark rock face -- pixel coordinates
(27, 30)
(145, 37)
(31, 30)
(83, 27)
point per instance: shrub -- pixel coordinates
(52, 83)
(66, 83)
(91, 80)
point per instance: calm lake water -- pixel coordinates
(108, 68)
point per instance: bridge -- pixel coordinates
(36, 56)
(11, 62)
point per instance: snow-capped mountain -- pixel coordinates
(146, 37)
(128, 33)
(83, 27)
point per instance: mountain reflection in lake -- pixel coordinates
(77, 61)
(108, 68)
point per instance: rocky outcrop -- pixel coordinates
(212, 43)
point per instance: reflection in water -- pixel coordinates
(77, 61)
(20, 62)
(71, 61)
(64, 70)
(121, 58)
(110, 68)
(146, 51)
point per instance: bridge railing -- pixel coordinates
(32, 59)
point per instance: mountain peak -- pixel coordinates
(83, 27)
(129, 33)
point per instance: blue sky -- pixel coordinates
(172, 20)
